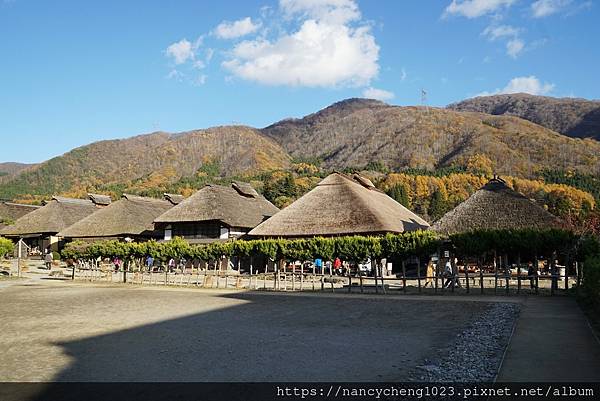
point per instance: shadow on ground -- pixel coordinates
(273, 338)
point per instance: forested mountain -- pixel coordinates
(579, 118)
(289, 157)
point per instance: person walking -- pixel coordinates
(117, 263)
(429, 274)
(448, 274)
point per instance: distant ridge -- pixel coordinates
(578, 118)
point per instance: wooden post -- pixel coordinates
(578, 272)
(403, 276)
(331, 276)
(518, 273)
(375, 274)
(313, 277)
(436, 272)
(265, 276)
(301, 276)
(349, 281)
(507, 273)
(360, 277)
(382, 279)
(567, 262)
(419, 273)
(480, 267)
(454, 273)
(553, 273)
(467, 277)
(495, 273)
(537, 274)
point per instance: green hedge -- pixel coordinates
(523, 241)
(349, 248)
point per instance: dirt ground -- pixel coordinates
(64, 331)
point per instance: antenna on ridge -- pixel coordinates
(424, 99)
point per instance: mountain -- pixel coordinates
(11, 168)
(354, 132)
(145, 160)
(579, 118)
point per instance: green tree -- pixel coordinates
(438, 205)
(6, 247)
(400, 194)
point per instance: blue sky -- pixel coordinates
(75, 72)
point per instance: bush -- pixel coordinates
(56, 255)
(590, 286)
(6, 247)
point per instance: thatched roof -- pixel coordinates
(238, 205)
(495, 206)
(174, 198)
(341, 205)
(130, 216)
(54, 216)
(12, 211)
(100, 200)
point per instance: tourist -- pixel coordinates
(531, 273)
(448, 274)
(430, 274)
(48, 260)
(149, 262)
(337, 265)
(171, 265)
(117, 263)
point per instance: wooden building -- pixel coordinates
(216, 213)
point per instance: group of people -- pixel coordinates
(450, 274)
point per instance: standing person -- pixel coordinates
(171, 265)
(319, 265)
(117, 263)
(430, 274)
(149, 262)
(337, 265)
(531, 274)
(48, 260)
(448, 274)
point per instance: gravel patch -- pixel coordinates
(476, 353)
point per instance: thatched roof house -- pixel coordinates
(216, 212)
(341, 205)
(495, 206)
(131, 216)
(11, 212)
(56, 215)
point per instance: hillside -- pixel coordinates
(354, 132)
(11, 169)
(148, 160)
(577, 118)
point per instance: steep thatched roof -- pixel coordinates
(12, 211)
(130, 216)
(341, 205)
(495, 206)
(236, 206)
(54, 216)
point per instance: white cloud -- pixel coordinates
(530, 84)
(236, 29)
(329, 48)
(514, 47)
(181, 51)
(544, 8)
(331, 11)
(500, 31)
(403, 74)
(476, 8)
(379, 94)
